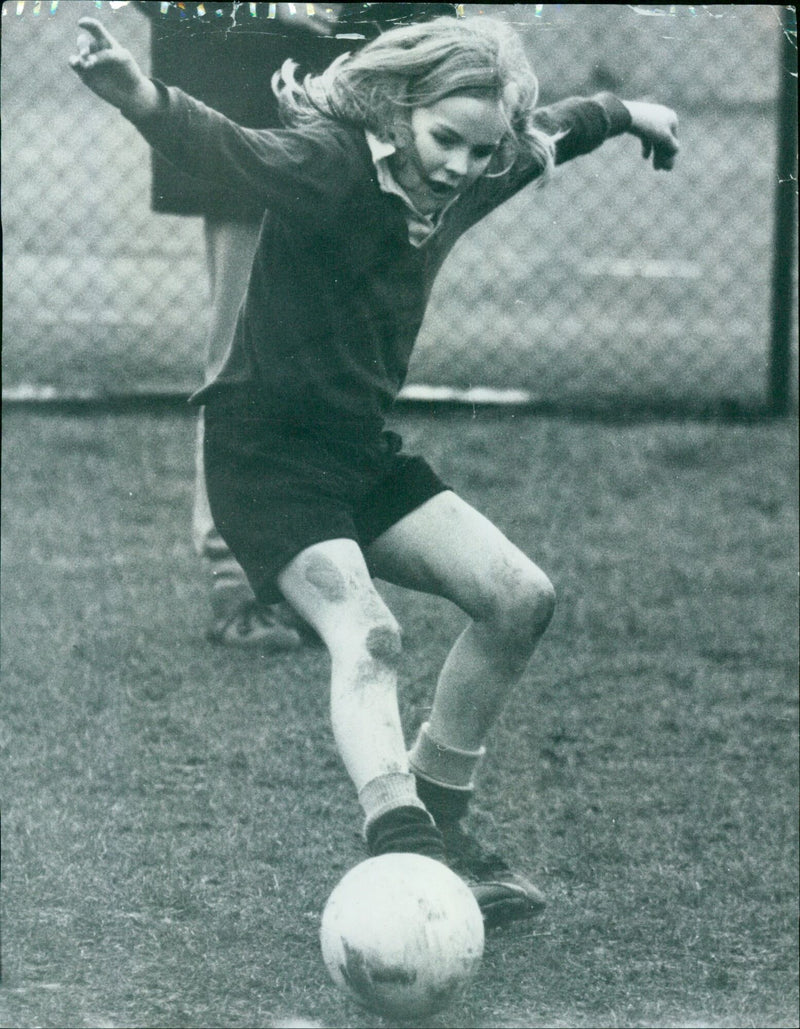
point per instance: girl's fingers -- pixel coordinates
(81, 65)
(99, 37)
(664, 162)
(85, 44)
(664, 153)
(87, 62)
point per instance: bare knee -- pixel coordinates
(368, 634)
(331, 587)
(523, 607)
(383, 643)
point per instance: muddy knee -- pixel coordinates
(524, 609)
(384, 644)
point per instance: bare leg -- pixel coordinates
(447, 548)
(330, 586)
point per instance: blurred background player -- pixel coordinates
(226, 58)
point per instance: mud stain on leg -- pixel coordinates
(322, 573)
(383, 645)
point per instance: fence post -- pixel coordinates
(779, 399)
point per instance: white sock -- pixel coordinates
(442, 764)
(385, 792)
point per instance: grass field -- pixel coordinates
(174, 816)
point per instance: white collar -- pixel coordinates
(420, 226)
(379, 149)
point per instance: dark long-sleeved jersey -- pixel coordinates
(337, 292)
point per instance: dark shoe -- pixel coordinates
(252, 626)
(405, 830)
(502, 894)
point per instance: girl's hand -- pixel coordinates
(109, 70)
(657, 127)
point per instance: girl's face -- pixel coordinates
(452, 143)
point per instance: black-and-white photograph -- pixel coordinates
(399, 516)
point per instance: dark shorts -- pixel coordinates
(275, 490)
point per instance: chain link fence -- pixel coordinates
(614, 285)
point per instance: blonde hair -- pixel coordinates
(377, 87)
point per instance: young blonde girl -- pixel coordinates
(390, 155)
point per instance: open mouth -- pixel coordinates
(441, 189)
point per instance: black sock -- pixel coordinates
(405, 830)
(446, 804)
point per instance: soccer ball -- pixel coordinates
(402, 934)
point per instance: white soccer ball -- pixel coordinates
(402, 934)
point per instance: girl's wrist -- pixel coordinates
(634, 110)
(144, 100)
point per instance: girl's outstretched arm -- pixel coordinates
(657, 128)
(110, 70)
(309, 172)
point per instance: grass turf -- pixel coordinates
(175, 815)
